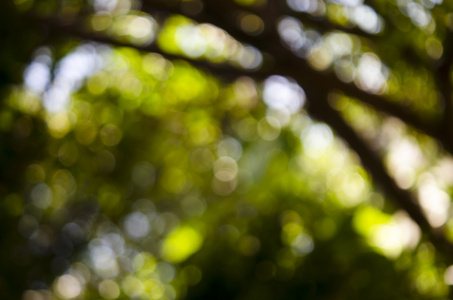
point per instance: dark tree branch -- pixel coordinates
(76, 30)
(324, 25)
(287, 64)
(373, 163)
(443, 78)
(315, 86)
(319, 107)
(315, 83)
(222, 14)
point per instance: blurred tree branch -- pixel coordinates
(316, 84)
(373, 163)
(285, 63)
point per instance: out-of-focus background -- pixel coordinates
(229, 149)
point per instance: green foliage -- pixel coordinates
(129, 175)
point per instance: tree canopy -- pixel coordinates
(229, 149)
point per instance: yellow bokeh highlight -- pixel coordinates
(132, 286)
(154, 289)
(181, 243)
(144, 264)
(111, 135)
(109, 289)
(381, 231)
(290, 232)
(86, 132)
(59, 125)
(368, 217)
